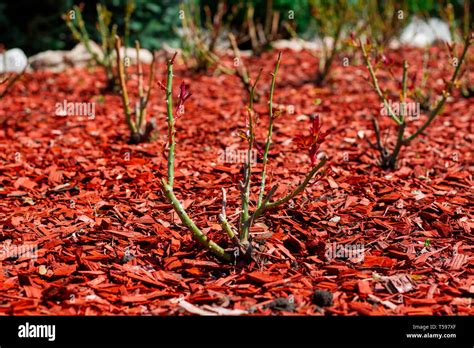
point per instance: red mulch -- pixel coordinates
(109, 244)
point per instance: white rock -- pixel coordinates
(423, 33)
(15, 59)
(169, 50)
(145, 56)
(79, 56)
(53, 60)
(296, 45)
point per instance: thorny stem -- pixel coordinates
(375, 124)
(103, 30)
(144, 98)
(329, 58)
(252, 30)
(389, 160)
(262, 207)
(168, 186)
(401, 128)
(141, 99)
(170, 120)
(79, 32)
(248, 167)
(243, 245)
(404, 84)
(203, 53)
(299, 188)
(241, 69)
(151, 80)
(392, 160)
(376, 84)
(266, 205)
(139, 128)
(223, 217)
(185, 219)
(446, 93)
(123, 86)
(270, 132)
(226, 226)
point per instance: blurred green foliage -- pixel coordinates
(300, 8)
(37, 25)
(33, 25)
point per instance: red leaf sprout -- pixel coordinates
(184, 94)
(312, 142)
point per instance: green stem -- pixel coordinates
(378, 138)
(292, 194)
(245, 196)
(226, 227)
(223, 219)
(262, 207)
(300, 188)
(404, 86)
(185, 219)
(80, 33)
(107, 37)
(146, 98)
(328, 59)
(241, 70)
(392, 159)
(170, 120)
(141, 100)
(103, 30)
(270, 133)
(376, 84)
(398, 146)
(446, 94)
(123, 86)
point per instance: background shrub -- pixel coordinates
(36, 26)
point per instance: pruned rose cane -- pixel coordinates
(388, 156)
(238, 234)
(136, 118)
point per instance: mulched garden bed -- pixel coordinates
(108, 243)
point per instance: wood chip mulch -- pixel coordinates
(85, 230)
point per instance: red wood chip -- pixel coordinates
(262, 278)
(364, 287)
(378, 261)
(457, 262)
(400, 283)
(64, 270)
(25, 183)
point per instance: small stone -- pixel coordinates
(282, 304)
(15, 59)
(127, 257)
(42, 270)
(322, 298)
